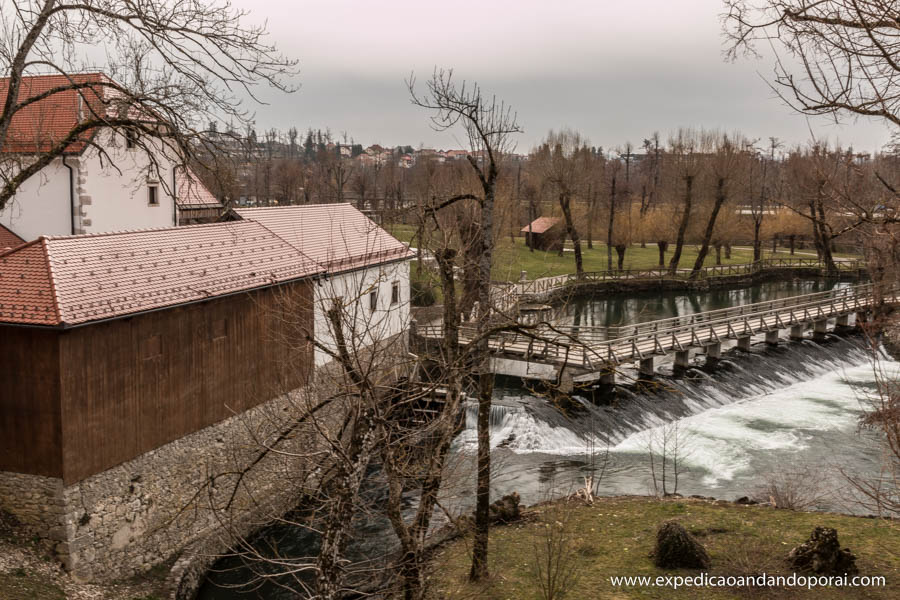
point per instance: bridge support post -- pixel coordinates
(743, 343)
(682, 360)
(843, 321)
(608, 379)
(566, 382)
(646, 368)
(797, 331)
(861, 318)
(772, 337)
(820, 328)
(713, 353)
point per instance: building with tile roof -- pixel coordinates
(8, 239)
(544, 233)
(364, 266)
(104, 180)
(68, 281)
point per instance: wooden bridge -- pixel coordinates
(582, 354)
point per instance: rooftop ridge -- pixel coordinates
(140, 230)
(52, 275)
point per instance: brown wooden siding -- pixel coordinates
(132, 385)
(29, 402)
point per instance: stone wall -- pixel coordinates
(144, 512)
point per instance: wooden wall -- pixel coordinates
(131, 385)
(29, 402)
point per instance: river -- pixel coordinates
(790, 411)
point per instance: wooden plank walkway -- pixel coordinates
(594, 349)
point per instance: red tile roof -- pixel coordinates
(541, 225)
(337, 236)
(76, 279)
(8, 239)
(40, 125)
(192, 193)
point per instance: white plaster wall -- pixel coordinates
(41, 206)
(106, 198)
(120, 201)
(362, 326)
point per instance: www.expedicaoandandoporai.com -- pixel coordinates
(762, 580)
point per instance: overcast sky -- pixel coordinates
(614, 70)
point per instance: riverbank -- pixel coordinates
(614, 537)
(28, 572)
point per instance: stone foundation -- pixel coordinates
(146, 511)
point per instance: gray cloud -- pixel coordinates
(615, 71)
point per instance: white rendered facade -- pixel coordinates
(101, 196)
(364, 327)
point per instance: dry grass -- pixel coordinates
(615, 537)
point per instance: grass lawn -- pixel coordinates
(614, 537)
(514, 257)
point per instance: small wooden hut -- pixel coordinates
(545, 233)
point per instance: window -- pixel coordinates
(153, 195)
(395, 293)
(131, 138)
(373, 300)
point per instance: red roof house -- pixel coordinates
(544, 233)
(8, 239)
(65, 281)
(337, 236)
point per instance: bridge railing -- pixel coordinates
(613, 332)
(546, 284)
(593, 345)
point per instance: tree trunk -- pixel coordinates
(620, 250)
(757, 243)
(817, 240)
(564, 202)
(590, 217)
(661, 246)
(791, 240)
(485, 387)
(718, 254)
(609, 231)
(710, 226)
(682, 228)
(351, 470)
(827, 241)
(412, 537)
(727, 251)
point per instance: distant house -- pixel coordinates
(81, 191)
(364, 267)
(8, 239)
(456, 154)
(544, 233)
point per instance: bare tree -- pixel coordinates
(843, 53)
(172, 68)
(562, 162)
(686, 168)
(488, 123)
(724, 163)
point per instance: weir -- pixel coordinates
(585, 354)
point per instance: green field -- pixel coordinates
(614, 537)
(514, 257)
